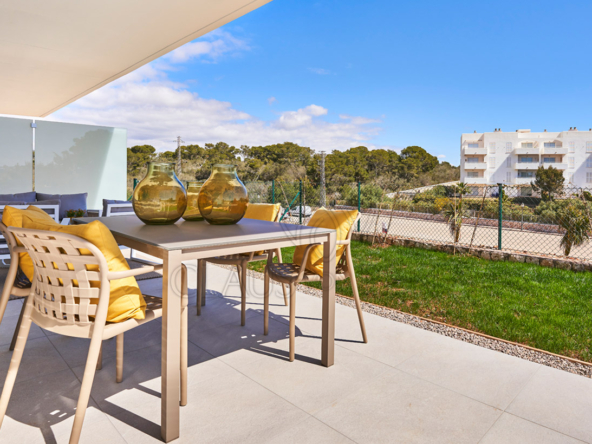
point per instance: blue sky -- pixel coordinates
(335, 74)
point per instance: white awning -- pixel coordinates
(54, 52)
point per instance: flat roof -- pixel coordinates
(55, 52)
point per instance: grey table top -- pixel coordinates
(189, 235)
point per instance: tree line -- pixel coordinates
(288, 162)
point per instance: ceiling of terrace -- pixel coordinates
(55, 52)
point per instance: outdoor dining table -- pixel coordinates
(185, 241)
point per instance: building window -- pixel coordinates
(589, 147)
(589, 162)
(508, 147)
(527, 145)
(472, 160)
(549, 160)
(526, 159)
(472, 174)
(473, 145)
(492, 147)
(549, 144)
(492, 162)
(588, 177)
(508, 176)
(509, 162)
(571, 161)
(525, 174)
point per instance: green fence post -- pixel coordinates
(359, 202)
(301, 209)
(499, 222)
(273, 191)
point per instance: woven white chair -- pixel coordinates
(293, 274)
(57, 305)
(240, 261)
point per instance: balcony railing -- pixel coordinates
(529, 166)
(480, 151)
(556, 150)
(475, 166)
(521, 150)
(475, 180)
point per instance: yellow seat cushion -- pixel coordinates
(338, 220)
(261, 211)
(13, 217)
(125, 300)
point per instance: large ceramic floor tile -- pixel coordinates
(558, 400)
(485, 375)
(42, 410)
(510, 429)
(310, 431)
(40, 358)
(397, 407)
(8, 325)
(309, 385)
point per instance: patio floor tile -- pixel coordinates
(558, 400)
(510, 429)
(310, 431)
(485, 375)
(397, 407)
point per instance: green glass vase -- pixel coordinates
(223, 199)
(192, 212)
(160, 198)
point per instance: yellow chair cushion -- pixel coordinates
(13, 217)
(125, 300)
(261, 211)
(340, 221)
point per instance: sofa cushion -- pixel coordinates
(29, 196)
(67, 201)
(116, 210)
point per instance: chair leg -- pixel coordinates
(15, 361)
(87, 381)
(18, 326)
(119, 358)
(266, 302)
(354, 284)
(292, 320)
(201, 285)
(8, 283)
(100, 358)
(184, 340)
(279, 255)
(243, 286)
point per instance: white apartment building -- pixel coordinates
(513, 157)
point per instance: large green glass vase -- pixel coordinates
(223, 198)
(160, 198)
(192, 212)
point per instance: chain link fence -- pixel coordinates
(509, 217)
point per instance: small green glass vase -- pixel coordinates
(192, 212)
(223, 199)
(160, 198)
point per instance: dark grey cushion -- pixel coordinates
(115, 210)
(19, 197)
(67, 201)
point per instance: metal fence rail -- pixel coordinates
(508, 217)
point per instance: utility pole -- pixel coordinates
(323, 196)
(179, 142)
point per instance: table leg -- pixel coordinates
(171, 346)
(328, 325)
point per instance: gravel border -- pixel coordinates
(509, 348)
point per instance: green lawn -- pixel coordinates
(542, 307)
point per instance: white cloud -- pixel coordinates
(320, 71)
(441, 156)
(210, 48)
(155, 110)
(271, 100)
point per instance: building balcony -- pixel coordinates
(475, 166)
(475, 180)
(556, 150)
(478, 151)
(559, 166)
(523, 180)
(520, 150)
(529, 166)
